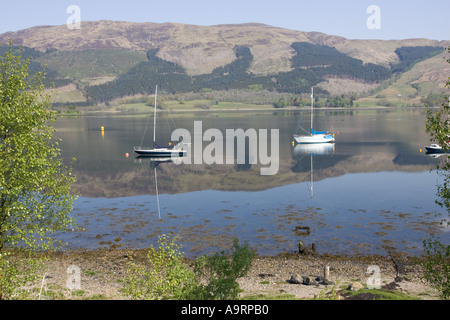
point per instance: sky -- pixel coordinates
(352, 19)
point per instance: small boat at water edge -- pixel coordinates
(435, 148)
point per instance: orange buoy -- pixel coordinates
(127, 155)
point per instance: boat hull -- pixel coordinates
(315, 138)
(160, 153)
(434, 150)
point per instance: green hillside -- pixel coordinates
(91, 63)
(92, 76)
(310, 66)
(417, 81)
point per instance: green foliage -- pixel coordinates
(438, 126)
(255, 87)
(29, 54)
(379, 294)
(222, 271)
(280, 103)
(340, 101)
(18, 270)
(437, 266)
(434, 100)
(330, 295)
(35, 184)
(35, 198)
(166, 276)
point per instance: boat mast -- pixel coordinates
(154, 117)
(154, 124)
(312, 108)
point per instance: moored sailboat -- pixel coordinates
(314, 136)
(157, 150)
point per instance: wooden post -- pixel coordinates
(301, 248)
(326, 272)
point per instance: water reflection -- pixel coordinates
(314, 149)
(369, 141)
(311, 151)
(372, 187)
(154, 162)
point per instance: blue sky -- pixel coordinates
(398, 19)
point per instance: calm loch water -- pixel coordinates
(372, 191)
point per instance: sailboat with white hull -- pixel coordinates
(157, 150)
(315, 136)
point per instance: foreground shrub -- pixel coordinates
(222, 271)
(166, 276)
(18, 271)
(437, 266)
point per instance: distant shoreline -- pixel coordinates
(113, 110)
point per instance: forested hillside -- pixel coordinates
(310, 65)
(411, 55)
(51, 76)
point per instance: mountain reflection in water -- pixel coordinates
(373, 190)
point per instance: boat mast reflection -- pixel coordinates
(312, 149)
(154, 162)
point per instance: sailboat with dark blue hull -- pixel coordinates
(157, 150)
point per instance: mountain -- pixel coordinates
(103, 51)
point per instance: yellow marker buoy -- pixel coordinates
(102, 128)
